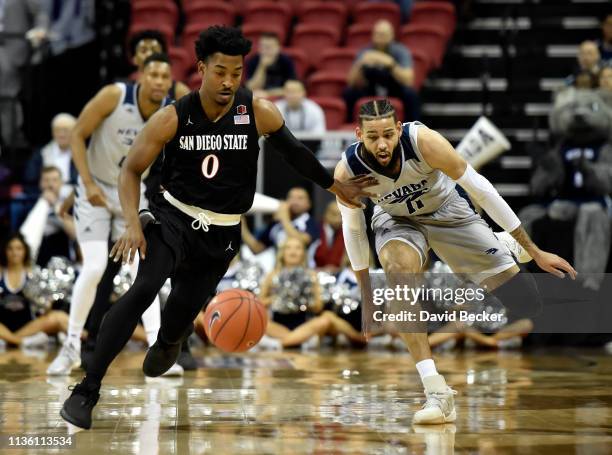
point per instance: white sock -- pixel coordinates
(151, 318)
(95, 254)
(426, 368)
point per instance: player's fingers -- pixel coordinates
(125, 256)
(117, 250)
(565, 266)
(143, 249)
(555, 272)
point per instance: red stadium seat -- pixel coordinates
(426, 37)
(359, 35)
(254, 31)
(441, 14)
(331, 13)
(421, 62)
(155, 12)
(334, 109)
(337, 59)
(312, 39)
(181, 63)
(210, 12)
(195, 81)
(396, 102)
(266, 13)
(326, 83)
(165, 29)
(369, 13)
(190, 35)
(300, 60)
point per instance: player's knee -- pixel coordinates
(397, 266)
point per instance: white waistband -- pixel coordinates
(197, 213)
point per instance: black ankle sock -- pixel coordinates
(91, 383)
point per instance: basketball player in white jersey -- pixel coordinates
(417, 208)
(111, 120)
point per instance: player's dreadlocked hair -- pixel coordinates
(218, 38)
(376, 109)
(147, 34)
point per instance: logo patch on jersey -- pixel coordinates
(242, 120)
(407, 194)
(491, 251)
(241, 109)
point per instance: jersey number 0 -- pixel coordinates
(210, 166)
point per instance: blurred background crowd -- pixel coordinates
(540, 70)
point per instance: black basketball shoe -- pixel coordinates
(161, 356)
(78, 407)
(185, 358)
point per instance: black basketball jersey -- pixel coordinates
(213, 165)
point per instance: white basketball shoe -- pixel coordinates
(68, 359)
(440, 405)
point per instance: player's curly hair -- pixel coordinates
(218, 38)
(375, 109)
(148, 34)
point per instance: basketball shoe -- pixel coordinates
(440, 404)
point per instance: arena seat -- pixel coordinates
(396, 102)
(430, 38)
(327, 83)
(421, 62)
(300, 60)
(266, 13)
(370, 13)
(255, 30)
(313, 38)
(331, 13)
(334, 109)
(155, 12)
(210, 13)
(164, 28)
(359, 35)
(337, 59)
(441, 14)
(181, 64)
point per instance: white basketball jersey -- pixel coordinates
(418, 190)
(111, 141)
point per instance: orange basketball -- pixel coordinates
(235, 320)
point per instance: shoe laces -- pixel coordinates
(438, 398)
(91, 396)
(201, 222)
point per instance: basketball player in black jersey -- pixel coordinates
(210, 144)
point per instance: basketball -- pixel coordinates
(235, 320)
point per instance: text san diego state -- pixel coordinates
(214, 142)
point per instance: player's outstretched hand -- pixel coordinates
(554, 264)
(352, 190)
(125, 249)
(95, 196)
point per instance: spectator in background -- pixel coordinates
(21, 17)
(47, 232)
(301, 114)
(18, 324)
(292, 326)
(56, 153)
(149, 42)
(589, 65)
(383, 68)
(605, 43)
(329, 252)
(269, 69)
(291, 220)
(605, 85)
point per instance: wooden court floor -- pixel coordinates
(334, 402)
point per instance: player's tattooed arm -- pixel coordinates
(439, 154)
